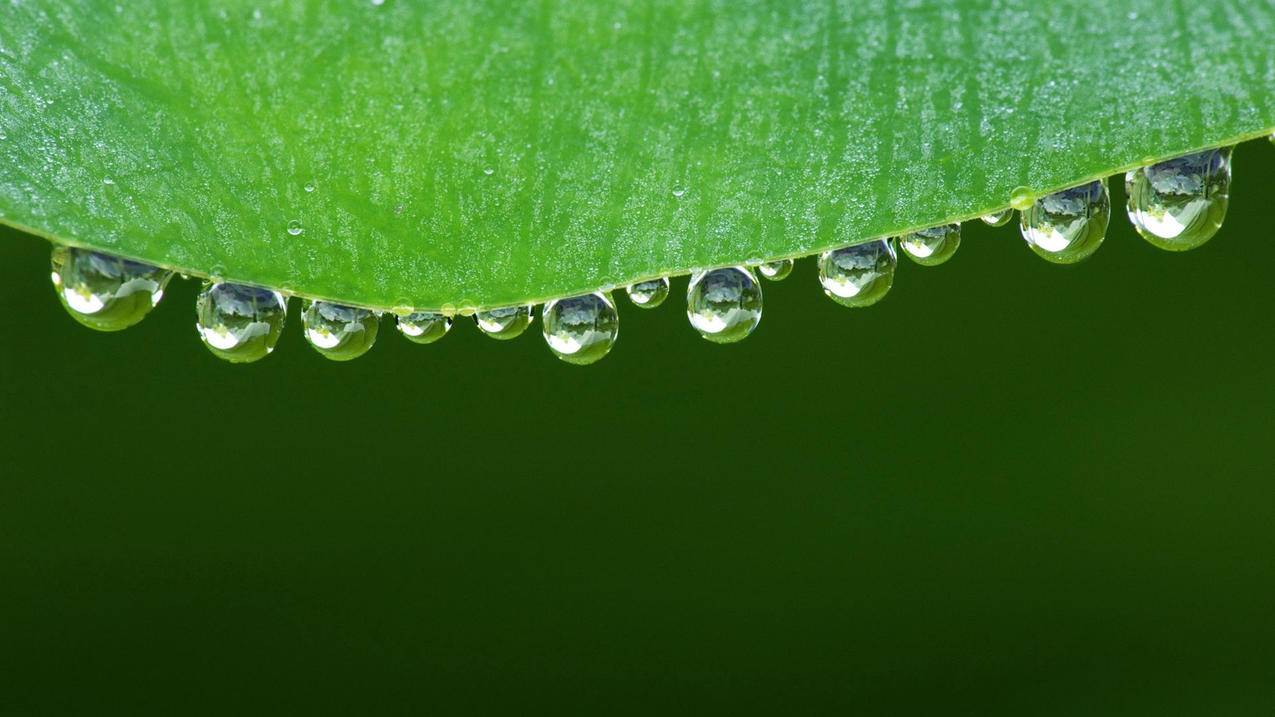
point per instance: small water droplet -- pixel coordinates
(998, 219)
(489, 171)
(649, 294)
(339, 332)
(108, 181)
(858, 275)
(1020, 198)
(933, 245)
(309, 187)
(1180, 203)
(1068, 226)
(777, 270)
(679, 191)
(294, 227)
(378, 3)
(581, 329)
(505, 322)
(105, 292)
(240, 323)
(724, 305)
(424, 327)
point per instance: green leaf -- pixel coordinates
(480, 152)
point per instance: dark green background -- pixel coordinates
(1010, 488)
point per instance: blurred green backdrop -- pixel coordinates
(1010, 488)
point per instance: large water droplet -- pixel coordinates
(1180, 203)
(240, 323)
(649, 294)
(858, 275)
(777, 270)
(339, 332)
(105, 292)
(424, 327)
(294, 227)
(580, 329)
(998, 219)
(932, 246)
(724, 305)
(506, 322)
(1068, 226)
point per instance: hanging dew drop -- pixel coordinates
(238, 323)
(504, 323)
(581, 329)
(858, 275)
(105, 292)
(340, 333)
(294, 227)
(424, 327)
(724, 305)
(777, 270)
(1021, 198)
(649, 294)
(932, 246)
(1068, 226)
(1180, 203)
(998, 219)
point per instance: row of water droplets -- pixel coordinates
(1177, 204)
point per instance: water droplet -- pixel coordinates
(858, 275)
(932, 246)
(424, 327)
(106, 292)
(488, 171)
(777, 270)
(1021, 198)
(378, 3)
(339, 332)
(724, 305)
(998, 219)
(294, 227)
(581, 329)
(679, 191)
(649, 294)
(1068, 226)
(309, 187)
(505, 322)
(1180, 203)
(240, 323)
(108, 181)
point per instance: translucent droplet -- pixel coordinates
(106, 292)
(309, 187)
(858, 275)
(1180, 203)
(998, 219)
(933, 245)
(1020, 198)
(679, 191)
(240, 323)
(777, 270)
(649, 294)
(339, 332)
(294, 227)
(724, 305)
(424, 327)
(580, 329)
(1068, 226)
(506, 322)
(488, 171)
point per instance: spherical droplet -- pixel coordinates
(1068, 226)
(309, 187)
(105, 292)
(777, 270)
(294, 227)
(339, 332)
(724, 305)
(1020, 198)
(424, 327)
(998, 219)
(1180, 203)
(580, 329)
(679, 191)
(649, 294)
(240, 323)
(932, 246)
(504, 323)
(858, 275)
